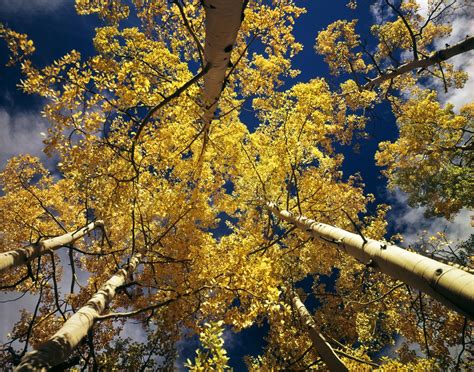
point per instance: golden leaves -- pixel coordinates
(163, 196)
(18, 44)
(336, 43)
(112, 10)
(213, 356)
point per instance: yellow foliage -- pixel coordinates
(165, 192)
(18, 44)
(428, 159)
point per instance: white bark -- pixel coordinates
(62, 343)
(449, 285)
(223, 18)
(323, 348)
(435, 58)
(24, 255)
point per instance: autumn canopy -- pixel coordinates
(167, 212)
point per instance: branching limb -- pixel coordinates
(356, 227)
(378, 298)
(31, 323)
(199, 47)
(439, 56)
(166, 100)
(408, 27)
(134, 312)
(463, 345)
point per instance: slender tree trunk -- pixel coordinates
(24, 255)
(449, 285)
(57, 349)
(435, 58)
(223, 18)
(323, 348)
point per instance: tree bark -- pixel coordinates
(437, 57)
(449, 285)
(24, 255)
(223, 18)
(58, 348)
(323, 348)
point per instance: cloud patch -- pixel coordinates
(462, 26)
(380, 11)
(29, 7)
(410, 222)
(22, 133)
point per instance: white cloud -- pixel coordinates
(423, 7)
(410, 222)
(380, 11)
(462, 26)
(21, 134)
(29, 7)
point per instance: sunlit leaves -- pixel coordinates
(432, 159)
(164, 194)
(18, 44)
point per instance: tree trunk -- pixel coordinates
(449, 285)
(437, 57)
(323, 348)
(24, 255)
(223, 18)
(62, 343)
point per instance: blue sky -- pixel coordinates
(56, 29)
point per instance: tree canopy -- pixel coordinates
(166, 211)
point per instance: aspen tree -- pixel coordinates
(404, 52)
(327, 353)
(223, 18)
(435, 58)
(431, 160)
(147, 192)
(408, 55)
(24, 255)
(63, 342)
(451, 286)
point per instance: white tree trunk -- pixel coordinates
(323, 348)
(223, 18)
(24, 255)
(435, 58)
(449, 285)
(63, 342)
